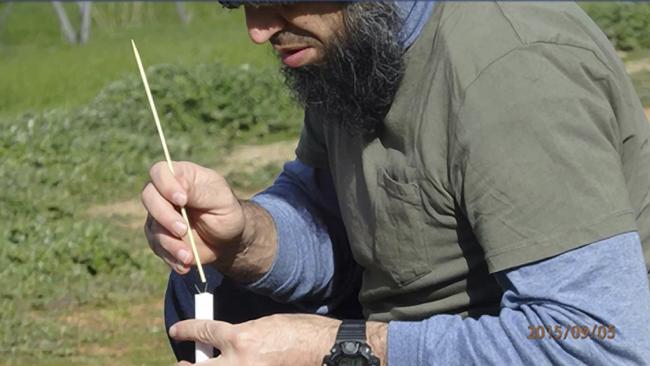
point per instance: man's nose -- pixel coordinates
(263, 23)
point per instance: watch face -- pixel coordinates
(356, 361)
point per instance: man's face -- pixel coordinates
(343, 60)
(299, 32)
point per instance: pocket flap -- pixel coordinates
(408, 192)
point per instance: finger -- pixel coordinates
(163, 211)
(179, 250)
(205, 188)
(171, 249)
(213, 332)
(169, 184)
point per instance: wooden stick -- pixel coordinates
(166, 151)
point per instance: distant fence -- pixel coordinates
(82, 34)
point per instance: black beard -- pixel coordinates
(355, 84)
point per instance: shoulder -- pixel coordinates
(473, 36)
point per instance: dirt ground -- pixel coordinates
(246, 157)
(638, 66)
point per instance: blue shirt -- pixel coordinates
(596, 286)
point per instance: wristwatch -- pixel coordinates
(351, 348)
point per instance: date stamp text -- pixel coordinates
(562, 332)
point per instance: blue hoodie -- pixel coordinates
(415, 14)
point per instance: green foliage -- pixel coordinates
(626, 24)
(55, 164)
(41, 70)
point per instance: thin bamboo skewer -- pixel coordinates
(167, 157)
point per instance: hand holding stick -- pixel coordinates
(203, 302)
(167, 157)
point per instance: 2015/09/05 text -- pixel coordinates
(557, 332)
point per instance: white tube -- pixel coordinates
(203, 309)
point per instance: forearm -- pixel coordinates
(490, 340)
(606, 285)
(303, 266)
(253, 254)
(313, 267)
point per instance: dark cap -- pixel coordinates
(234, 4)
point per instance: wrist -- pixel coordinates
(377, 335)
(327, 339)
(254, 251)
(259, 229)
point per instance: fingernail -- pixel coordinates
(180, 228)
(184, 256)
(180, 268)
(172, 331)
(179, 198)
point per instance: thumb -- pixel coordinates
(213, 332)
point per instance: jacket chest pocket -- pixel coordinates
(400, 243)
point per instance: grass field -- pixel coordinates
(78, 285)
(40, 70)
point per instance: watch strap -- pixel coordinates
(352, 330)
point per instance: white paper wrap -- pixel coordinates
(203, 309)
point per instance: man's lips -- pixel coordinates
(293, 56)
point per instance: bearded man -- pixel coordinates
(476, 175)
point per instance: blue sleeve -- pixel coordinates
(313, 267)
(604, 283)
